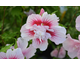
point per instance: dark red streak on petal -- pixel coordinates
(39, 42)
(46, 23)
(38, 22)
(51, 33)
(29, 32)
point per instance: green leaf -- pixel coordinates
(15, 46)
(53, 12)
(75, 58)
(4, 49)
(62, 25)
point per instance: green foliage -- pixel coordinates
(53, 12)
(4, 49)
(15, 46)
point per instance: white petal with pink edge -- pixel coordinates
(42, 45)
(15, 54)
(3, 55)
(29, 52)
(78, 23)
(58, 35)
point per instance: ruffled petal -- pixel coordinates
(78, 23)
(33, 19)
(58, 35)
(29, 52)
(27, 33)
(3, 55)
(15, 54)
(49, 20)
(22, 43)
(42, 45)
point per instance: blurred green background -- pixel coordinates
(13, 17)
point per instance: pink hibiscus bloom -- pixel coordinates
(15, 54)
(72, 46)
(58, 53)
(27, 52)
(40, 28)
(78, 23)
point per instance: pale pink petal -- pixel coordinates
(3, 55)
(42, 11)
(78, 23)
(22, 43)
(54, 53)
(62, 53)
(42, 45)
(73, 53)
(79, 37)
(27, 33)
(73, 50)
(68, 42)
(15, 54)
(72, 46)
(49, 20)
(78, 54)
(33, 19)
(29, 52)
(58, 35)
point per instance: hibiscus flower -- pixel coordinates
(40, 28)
